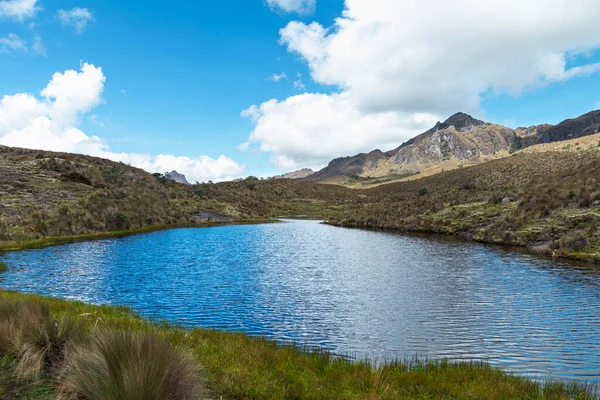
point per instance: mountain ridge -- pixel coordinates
(460, 140)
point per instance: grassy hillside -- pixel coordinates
(50, 347)
(46, 194)
(548, 200)
(538, 197)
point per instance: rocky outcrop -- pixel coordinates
(460, 140)
(300, 174)
(177, 177)
(460, 137)
(587, 124)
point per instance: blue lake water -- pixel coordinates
(355, 293)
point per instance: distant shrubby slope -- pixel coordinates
(50, 194)
(544, 197)
(549, 200)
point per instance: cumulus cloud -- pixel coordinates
(18, 9)
(50, 123)
(12, 43)
(77, 18)
(277, 77)
(430, 57)
(307, 129)
(292, 6)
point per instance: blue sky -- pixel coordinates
(177, 78)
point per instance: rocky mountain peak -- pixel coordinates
(460, 121)
(177, 177)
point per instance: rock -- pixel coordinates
(596, 203)
(507, 200)
(177, 177)
(300, 174)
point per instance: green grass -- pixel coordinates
(13, 388)
(236, 366)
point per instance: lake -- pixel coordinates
(355, 293)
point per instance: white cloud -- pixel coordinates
(292, 6)
(51, 123)
(307, 129)
(77, 18)
(299, 85)
(277, 77)
(18, 9)
(430, 57)
(12, 43)
(38, 46)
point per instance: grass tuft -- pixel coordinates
(118, 364)
(126, 357)
(38, 342)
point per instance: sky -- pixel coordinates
(224, 89)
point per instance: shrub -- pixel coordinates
(423, 192)
(126, 365)
(202, 190)
(77, 178)
(575, 241)
(117, 222)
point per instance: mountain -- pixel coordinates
(299, 174)
(459, 141)
(585, 125)
(177, 177)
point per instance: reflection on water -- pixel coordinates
(365, 294)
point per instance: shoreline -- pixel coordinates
(236, 365)
(51, 241)
(589, 259)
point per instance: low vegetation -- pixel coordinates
(549, 201)
(48, 195)
(540, 199)
(51, 348)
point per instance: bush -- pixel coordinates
(575, 241)
(77, 178)
(125, 365)
(117, 222)
(423, 192)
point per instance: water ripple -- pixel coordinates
(363, 294)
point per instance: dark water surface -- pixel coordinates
(364, 294)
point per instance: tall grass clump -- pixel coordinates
(119, 365)
(38, 342)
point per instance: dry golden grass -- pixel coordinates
(119, 364)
